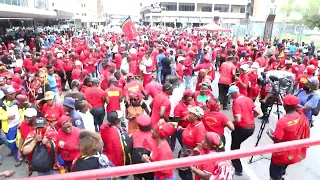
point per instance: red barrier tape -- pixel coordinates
(176, 163)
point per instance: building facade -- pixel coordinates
(193, 13)
(90, 12)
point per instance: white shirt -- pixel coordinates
(175, 98)
(13, 110)
(144, 64)
(88, 121)
(125, 65)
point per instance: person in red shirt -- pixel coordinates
(215, 121)
(192, 137)
(161, 105)
(243, 80)
(114, 95)
(67, 141)
(207, 66)
(68, 65)
(303, 78)
(254, 88)
(75, 74)
(180, 67)
(244, 111)
(200, 97)
(133, 86)
(160, 150)
(180, 115)
(51, 110)
(227, 73)
(314, 61)
(288, 66)
(201, 78)
(294, 125)
(153, 88)
(121, 82)
(140, 145)
(111, 134)
(187, 71)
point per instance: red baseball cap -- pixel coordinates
(290, 100)
(164, 129)
(214, 138)
(188, 92)
(144, 120)
(63, 119)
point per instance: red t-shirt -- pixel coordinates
(245, 80)
(314, 62)
(112, 144)
(160, 153)
(75, 74)
(55, 111)
(114, 95)
(227, 70)
(121, 83)
(25, 129)
(159, 100)
(244, 106)
(209, 69)
(134, 86)
(181, 111)
(153, 88)
(140, 139)
(194, 134)
(94, 96)
(289, 128)
(215, 122)
(67, 144)
(302, 79)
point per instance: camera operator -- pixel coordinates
(292, 126)
(308, 99)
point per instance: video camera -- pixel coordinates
(281, 82)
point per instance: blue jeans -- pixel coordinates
(172, 178)
(3, 139)
(51, 172)
(188, 80)
(159, 76)
(11, 138)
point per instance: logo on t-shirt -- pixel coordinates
(134, 88)
(78, 122)
(113, 93)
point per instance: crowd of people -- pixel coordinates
(68, 106)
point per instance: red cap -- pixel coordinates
(212, 104)
(144, 120)
(130, 75)
(311, 69)
(63, 119)
(164, 129)
(188, 92)
(214, 138)
(290, 100)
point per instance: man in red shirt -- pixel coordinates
(161, 105)
(96, 97)
(114, 95)
(243, 80)
(187, 73)
(292, 126)
(153, 88)
(121, 82)
(303, 78)
(133, 86)
(244, 111)
(227, 73)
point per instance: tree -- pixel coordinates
(311, 15)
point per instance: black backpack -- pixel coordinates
(127, 146)
(42, 160)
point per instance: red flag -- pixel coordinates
(128, 28)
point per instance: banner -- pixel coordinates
(128, 28)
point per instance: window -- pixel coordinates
(238, 8)
(221, 7)
(84, 14)
(83, 5)
(186, 7)
(201, 7)
(169, 6)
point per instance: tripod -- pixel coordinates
(263, 125)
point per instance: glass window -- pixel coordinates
(201, 7)
(221, 7)
(2, 1)
(7, 2)
(186, 7)
(169, 6)
(238, 8)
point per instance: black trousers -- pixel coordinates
(238, 136)
(264, 106)
(223, 91)
(277, 172)
(98, 116)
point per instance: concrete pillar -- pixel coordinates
(35, 26)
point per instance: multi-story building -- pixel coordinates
(90, 12)
(193, 13)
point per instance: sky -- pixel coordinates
(131, 7)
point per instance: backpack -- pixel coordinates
(316, 110)
(42, 160)
(127, 146)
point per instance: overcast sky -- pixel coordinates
(123, 6)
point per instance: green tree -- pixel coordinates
(311, 14)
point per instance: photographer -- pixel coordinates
(308, 99)
(290, 127)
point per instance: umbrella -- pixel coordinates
(214, 28)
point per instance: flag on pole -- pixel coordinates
(128, 28)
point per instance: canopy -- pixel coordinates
(213, 28)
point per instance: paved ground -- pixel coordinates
(305, 170)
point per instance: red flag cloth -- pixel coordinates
(128, 28)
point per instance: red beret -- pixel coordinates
(144, 120)
(291, 100)
(164, 129)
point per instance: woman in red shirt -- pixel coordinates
(67, 141)
(201, 97)
(215, 121)
(160, 149)
(243, 81)
(51, 108)
(192, 137)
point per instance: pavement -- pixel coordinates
(305, 170)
